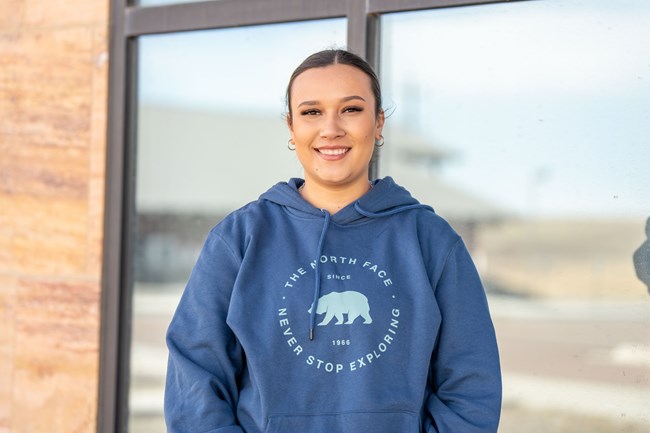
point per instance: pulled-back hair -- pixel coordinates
(330, 57)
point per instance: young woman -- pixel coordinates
(333, 304)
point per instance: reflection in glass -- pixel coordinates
(211, 137)
(526, 126)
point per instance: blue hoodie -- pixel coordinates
(369, 320)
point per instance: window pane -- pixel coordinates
(211, 137)
(527, 126)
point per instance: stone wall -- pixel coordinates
(53, 105)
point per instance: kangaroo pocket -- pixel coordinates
(358, 422)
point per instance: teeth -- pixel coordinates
(332, 151)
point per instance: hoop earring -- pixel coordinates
(380, 142)
(289, 143)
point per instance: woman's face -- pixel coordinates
(334, 125)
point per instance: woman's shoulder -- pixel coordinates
(248, 216)
(436, 233)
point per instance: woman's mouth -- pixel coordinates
(338, 151)
(333, 154)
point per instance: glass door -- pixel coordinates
(211, 137)
(526, 125)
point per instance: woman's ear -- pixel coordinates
(380, 124)
(289, 124)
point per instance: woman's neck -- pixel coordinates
(332, 198)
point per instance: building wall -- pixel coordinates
(53, 105)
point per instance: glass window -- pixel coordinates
(211, 137)
(526, 125)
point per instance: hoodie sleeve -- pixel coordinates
(205, 358)
(465, 373)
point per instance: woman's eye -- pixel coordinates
(309, 112)
(352, 109)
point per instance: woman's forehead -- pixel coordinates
(332, 81)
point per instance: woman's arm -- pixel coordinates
(465, 373)
(205, 358)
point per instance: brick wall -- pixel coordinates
(53, 101)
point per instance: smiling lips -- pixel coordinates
(333, 154)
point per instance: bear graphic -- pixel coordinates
(336, 304)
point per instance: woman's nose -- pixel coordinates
(331, 127)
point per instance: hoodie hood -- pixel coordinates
(385, 198)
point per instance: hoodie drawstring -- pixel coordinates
(314, 304)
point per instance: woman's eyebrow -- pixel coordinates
(346, 99)
(308, 103)
(350, 98)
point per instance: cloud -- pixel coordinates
(522, 48)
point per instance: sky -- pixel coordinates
(544, 106)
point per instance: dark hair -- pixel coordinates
(330, 57)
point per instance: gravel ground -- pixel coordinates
(522, 420)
